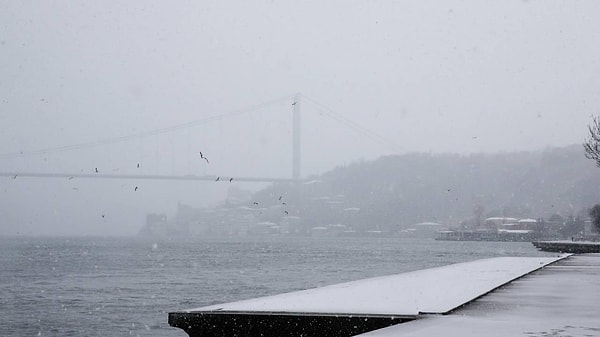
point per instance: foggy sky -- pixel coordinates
(433, 76)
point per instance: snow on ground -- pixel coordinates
(499, 326)
(435, 290)
(560, 300)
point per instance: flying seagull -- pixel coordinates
(203, 157)
(286, 213)
(136, 188)
(96, 170)
(138, 165)
(230, 179)
(217, 178)
(294, 103)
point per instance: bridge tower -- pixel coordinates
(296, 138)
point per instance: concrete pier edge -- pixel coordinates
(276, 324)
(213, 321)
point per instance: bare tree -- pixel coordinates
(595, 215)
(592, 143)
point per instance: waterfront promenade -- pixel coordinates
(562, 299)
(416, 301)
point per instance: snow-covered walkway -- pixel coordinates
(411, 303)
(435, 290)
(562, 299)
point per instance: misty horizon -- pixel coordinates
(376, 79)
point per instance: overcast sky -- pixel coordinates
(434, 76)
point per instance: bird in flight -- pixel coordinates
(280, 197)
(203, 157)
(294, 103)
(217, 178)
(286, 213)
(96, 170)
(138, 165)
(230, 179)
(136, 188)
(255, 203)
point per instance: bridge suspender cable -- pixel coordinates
(353, 125)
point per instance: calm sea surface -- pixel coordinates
(127, 286)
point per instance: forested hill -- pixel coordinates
(406, 189)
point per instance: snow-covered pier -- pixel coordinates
(562, 299)
(568, 246)
(376, 305)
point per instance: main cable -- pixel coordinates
(147, 133)
(353, 125)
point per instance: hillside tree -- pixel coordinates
(595, 215)
(592, 143)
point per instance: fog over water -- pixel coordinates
(127, 286)
(377, 78)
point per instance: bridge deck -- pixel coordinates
(562, 299)
(375, 303)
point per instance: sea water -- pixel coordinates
(94, 286)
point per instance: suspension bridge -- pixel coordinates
(296, 101)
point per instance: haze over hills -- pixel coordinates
(394, 192)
